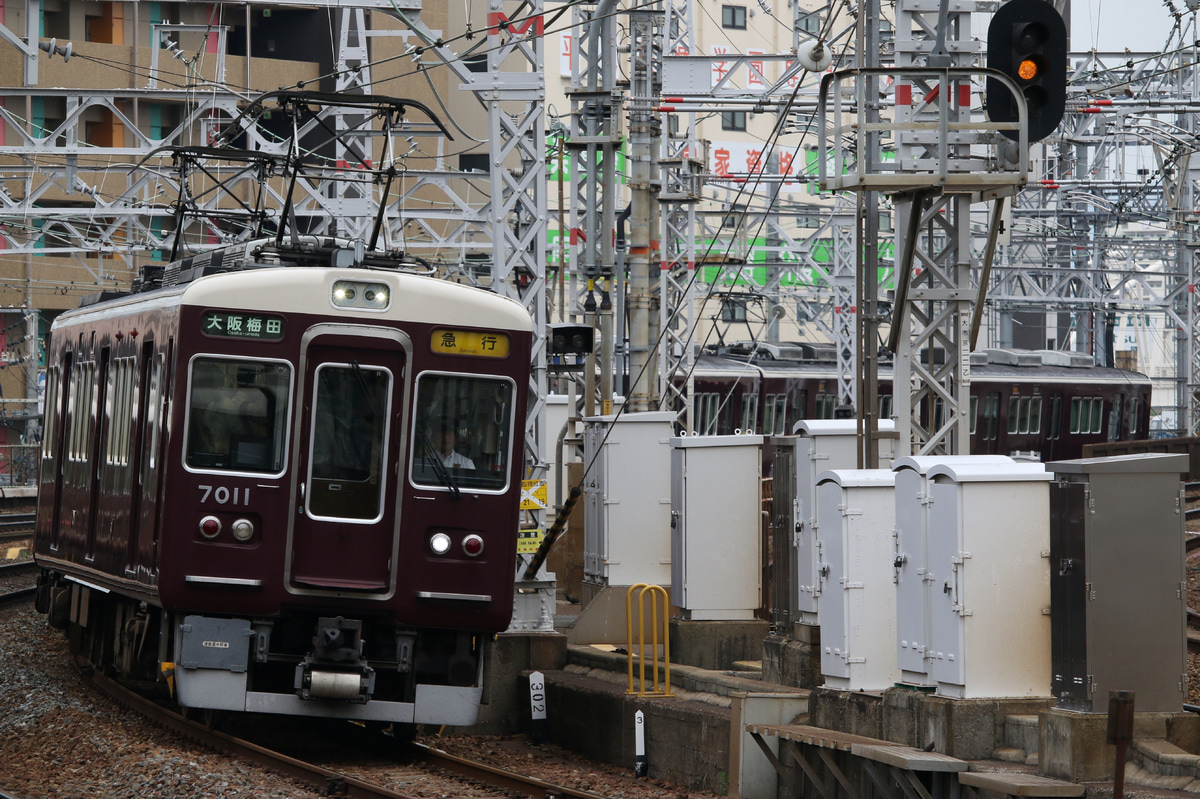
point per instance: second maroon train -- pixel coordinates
(1042, 402)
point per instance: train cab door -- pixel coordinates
(343, 534)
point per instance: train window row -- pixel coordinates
(1087, 414)
(1025, 414)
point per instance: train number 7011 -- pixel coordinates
(225, 496)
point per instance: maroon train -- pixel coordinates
(287, 475)
(1042, 402)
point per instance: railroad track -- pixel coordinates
(505, 783)
(15, 526)
(17, 582)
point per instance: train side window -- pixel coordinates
(51, 405)
(885, 409)
(237, 415)
(1034, 415)
(1114, 418)
(1097, 414)
(749, 412)
(768, 427)
(1014, 414)
(704, 410)
(1078, 411)
(974, 412)
(153, 422)
(79, 408)
(825, 405)
(121, 397)
(1133, 416)
(799, 406)
(991, 413)
(779, 410)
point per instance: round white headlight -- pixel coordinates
(243, 529)
(439, 543)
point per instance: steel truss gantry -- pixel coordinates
(108, 208)
(1111, 227)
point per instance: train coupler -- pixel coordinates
(319, 681)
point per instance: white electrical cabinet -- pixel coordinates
(909, 559)
(627, 519)
(821, 445)
(716, 521)
(857, 510)
(989, 580)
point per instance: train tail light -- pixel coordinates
(210, 527)
(473, 545)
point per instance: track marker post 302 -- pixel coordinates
(537, 708)
(640, 766)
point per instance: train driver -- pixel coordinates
(445, 438)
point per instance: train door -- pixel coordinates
(91, 454)
(344, 527)
(143, 441)
(50, 489)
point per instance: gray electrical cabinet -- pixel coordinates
(716, 526)
(858, 607)
(627, 519)
(910, 559)
(988, 580)
(1118, 587)
(819, 445)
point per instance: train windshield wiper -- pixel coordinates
(435, 460)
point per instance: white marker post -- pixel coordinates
(640, 767)
(537, 707)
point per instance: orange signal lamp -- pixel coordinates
(1028, 69)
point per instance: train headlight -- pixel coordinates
(439, 543)
(473, 545)
(355, 294)
(210, 527)
(243, 529)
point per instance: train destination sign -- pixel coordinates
(469, 342)
(234, 324)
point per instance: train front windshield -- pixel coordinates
(237, 415)
(463, 434)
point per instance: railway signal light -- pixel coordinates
(569, 345)
(1027, 40)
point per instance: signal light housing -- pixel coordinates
(1027, 40)
(570, 339)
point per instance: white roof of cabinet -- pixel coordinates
(835, 427)
(859, 478)
(923, 463)
(991, 472)
(717, 441)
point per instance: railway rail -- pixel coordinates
(15, 526)
(17, 582)
(505, 783)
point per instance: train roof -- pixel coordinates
(236, 280)
(989, 365)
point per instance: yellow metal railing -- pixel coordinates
(656, 591)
